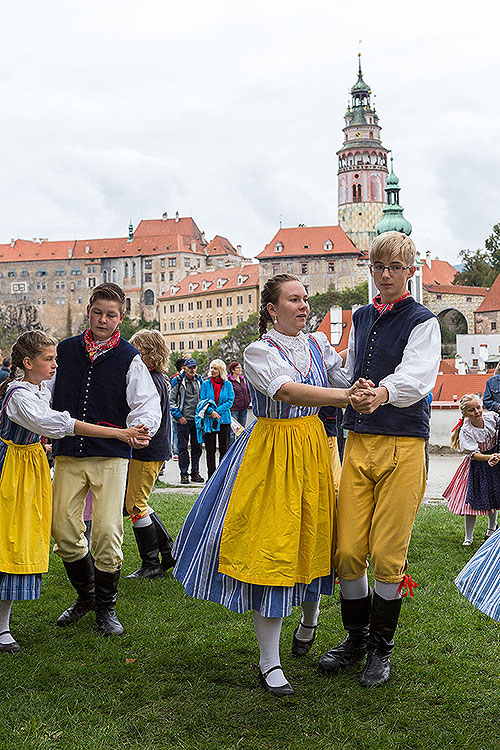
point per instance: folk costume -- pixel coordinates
(153, 539)
(396, 345)
(475, 487)
(479, 581)
(105, 383)
(260, 535)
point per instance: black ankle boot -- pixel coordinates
(106, 587)
(81, 576)
(383, 623)
(356, 620)
(147, 542)
(165, 542)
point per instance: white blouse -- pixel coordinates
(267, 371)
(471, 436)
(29, 407)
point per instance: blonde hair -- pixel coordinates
(388, 245)
(222, 367)
(463, 405)
(30, 344)
(152, 345)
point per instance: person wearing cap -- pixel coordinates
(184, 400)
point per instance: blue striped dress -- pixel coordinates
(14, 585)
(197, 546)
(479, 581)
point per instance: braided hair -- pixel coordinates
(463, 406)
(270, 294)
(29, 344)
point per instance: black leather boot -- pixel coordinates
(81, 576)
(106, 587)
(356, 620)
(147, 542)
(165, 542)
(383, 623)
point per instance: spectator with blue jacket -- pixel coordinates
(491, 398)
(216, 399)
(183, 403)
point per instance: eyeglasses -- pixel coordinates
(393, 270)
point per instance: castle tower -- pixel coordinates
(393, 219)
(362, 174)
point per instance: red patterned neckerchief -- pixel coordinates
(94, 348)
(382, 307)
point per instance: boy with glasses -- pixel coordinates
(395, 343)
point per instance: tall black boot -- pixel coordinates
(165, 542)
(106, 587)
(81, 576)
(147, 542)
(356, 620)
(383, 623)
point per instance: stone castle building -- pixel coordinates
(56, 278)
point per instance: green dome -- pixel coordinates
(393, 221)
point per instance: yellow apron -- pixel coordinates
(279, 524)
(25, 509)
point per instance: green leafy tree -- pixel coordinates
(492, 245)
(477, 269)
(128, 328)
(344, 298)
(234, 343)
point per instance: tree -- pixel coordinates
(477, 268)
(344, 298)
(128, 328)
(234, 343)
(492, 245)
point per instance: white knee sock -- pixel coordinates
(268, 630)
(141, 522)
(387, 591)
(492, 520)
(5, 608)
(470, 522)
(357, 589)
(310, 614)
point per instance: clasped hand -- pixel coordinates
(364, 397)
(138, 436)
(494, 459)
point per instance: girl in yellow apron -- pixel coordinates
(261, 535)
(25, 488)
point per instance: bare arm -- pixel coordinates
(140, 432)
(300, 394)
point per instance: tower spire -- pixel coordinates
(393, 219)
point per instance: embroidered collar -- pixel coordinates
(382, 307)
(299, 343)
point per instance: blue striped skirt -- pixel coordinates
(20, 586)
(479, 581)
(197, 551)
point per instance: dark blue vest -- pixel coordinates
(160, 446)
(92, 392)
(380, 342)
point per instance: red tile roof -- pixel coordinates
(447, 367)
(309, 241)
(162, 227)
(440, 272)
(473, 291)
(491, 303)
(325, 327)
(449, 386)
(220, 246)
(192, 284)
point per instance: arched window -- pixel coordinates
(359, 193)
(105, 276)
(113, 275)
(133, 268)
(126, 269)
(149, 297)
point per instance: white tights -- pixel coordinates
(5, 608)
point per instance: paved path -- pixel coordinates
(441, 470)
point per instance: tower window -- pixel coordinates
(371, 133)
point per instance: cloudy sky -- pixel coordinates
(232, 113)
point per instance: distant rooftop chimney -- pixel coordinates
(428, 258)
(70, 252)
(177, 216)
(164, 216)
(12, 242)
(87, 248)
(238, 249)
(130, 232)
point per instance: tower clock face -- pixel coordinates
(357, 133)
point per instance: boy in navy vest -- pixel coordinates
(395, 344)
(101, 378)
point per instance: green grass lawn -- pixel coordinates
(184, 675)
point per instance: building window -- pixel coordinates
(172, 346)
(19, 287)
(199, 344)
(474, 363)
(199, 323)
(172, 308)
(181, 345)
(59, 272)
(12, 274)
(439, 296)
(249, 298)
(171, 276)
(162, 276)
(209, 343)
(304, 268)
(229, 320)
(181, 306)
(91, 282)
(493, 325)
(190, 323)
(472, 350)
(331, 267)
(191, 345)
(181, 325)
(162, 263)
(149, 297)
(171, 262)
(239, 299)
(190, 305)
(187, 262)
(209, 322)
(209, 303)
(199, 304)
(468, 299)
(239, 318)
(41, 272)
(80, 300)
(327, 245)
(133, 269)
(229, 301)
(148, 263)
(276, 269)
(147, 277)
(76, 272)
(219, 322)
(126, 269)
(219, 301)
(172, 325)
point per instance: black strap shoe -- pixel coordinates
(301, 648)
(279, 692)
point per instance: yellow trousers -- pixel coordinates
(73, 477)
(141, 479)
(381, 488)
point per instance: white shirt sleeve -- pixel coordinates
(142, 397)
(415, 376)
(33, 412)
(265, 369)
(348, 369)
(468, 441)
(333, 362)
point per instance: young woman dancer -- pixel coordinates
(25, 489)
(261, 535)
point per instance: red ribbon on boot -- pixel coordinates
(407, 585)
